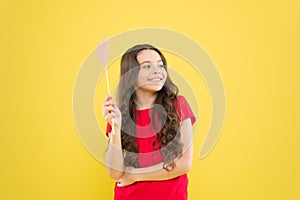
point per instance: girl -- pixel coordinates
(150, 147)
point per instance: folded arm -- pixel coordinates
(157, 173)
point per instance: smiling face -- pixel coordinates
(152, 74)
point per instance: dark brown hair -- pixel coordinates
(169, 136)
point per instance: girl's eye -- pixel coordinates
(161, 65)
(146, 66)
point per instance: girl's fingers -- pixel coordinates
(108, 97)
(111, 111)
(109, 102)
(108, 117)
(108, 108)
(113, 114)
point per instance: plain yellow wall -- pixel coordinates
(253, 43)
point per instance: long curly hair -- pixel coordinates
(168, 138)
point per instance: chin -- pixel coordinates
(154, 88)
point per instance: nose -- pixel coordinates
(156, 69)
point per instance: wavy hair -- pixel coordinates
(168, 138)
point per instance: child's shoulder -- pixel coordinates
(183, 109)
(181, 100)
(180, 97)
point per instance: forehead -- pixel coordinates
(148, 55)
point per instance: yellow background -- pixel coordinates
(253, 43)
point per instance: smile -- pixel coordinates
(157, 79)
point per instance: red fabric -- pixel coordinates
(173, 189)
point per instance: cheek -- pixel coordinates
(140, 79)
(165, 74)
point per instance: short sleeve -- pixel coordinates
(108, 129)
(184, 110)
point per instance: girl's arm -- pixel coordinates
(114, 157)
(183, 164)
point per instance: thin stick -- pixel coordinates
(107, 82)
(108, 89)
(102, 51)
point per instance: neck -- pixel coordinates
(144, 99)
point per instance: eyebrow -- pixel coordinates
(146, 61)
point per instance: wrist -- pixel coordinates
(117, 123)
(133, 174)
(135, 177)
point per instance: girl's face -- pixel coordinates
(152, 74)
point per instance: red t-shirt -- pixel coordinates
(173, 189)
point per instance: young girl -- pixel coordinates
(150, 148)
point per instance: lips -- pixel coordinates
(155, 79)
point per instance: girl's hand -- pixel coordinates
(126, 179)
(111, 111)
